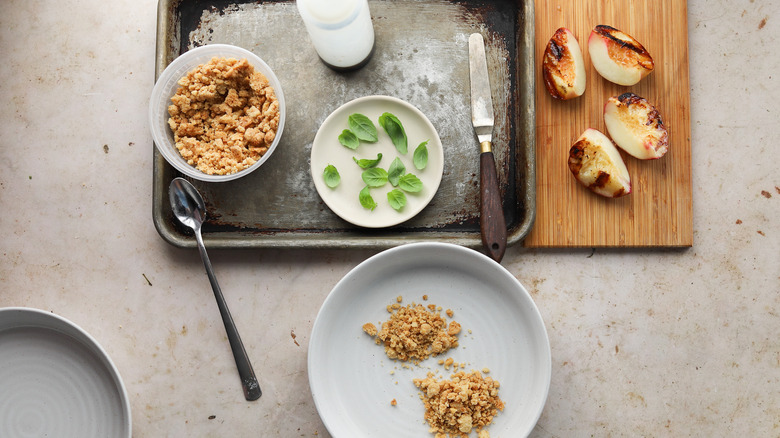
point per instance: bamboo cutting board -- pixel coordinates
(658, 212)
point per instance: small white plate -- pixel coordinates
(352, 380)
(343, 199)
(56, 381)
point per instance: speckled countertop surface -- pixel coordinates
(644, 342)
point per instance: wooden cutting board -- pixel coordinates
(658, 212)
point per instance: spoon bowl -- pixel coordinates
(190, 210)
(187, 204)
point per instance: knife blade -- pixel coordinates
(492, 224)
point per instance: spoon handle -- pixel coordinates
(245, 371)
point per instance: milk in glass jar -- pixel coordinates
(341, 31)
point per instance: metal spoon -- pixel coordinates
(189, 209)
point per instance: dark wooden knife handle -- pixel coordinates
(492, 224)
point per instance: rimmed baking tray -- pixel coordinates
(421, 56)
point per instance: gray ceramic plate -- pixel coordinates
(352, 380)
(56, 380)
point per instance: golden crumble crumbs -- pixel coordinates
(414, 333)
(224, 116)
(456, 406)
(450, 363)
(453, 408)
(370, 329)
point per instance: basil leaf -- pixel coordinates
(410, 183)
(366, 200)
(365, 163)
(397, 169)
(331, 176)
(395, 130)
(363, 128)
(374, 177)
(349, 139)
(396, 198)
(420, 157)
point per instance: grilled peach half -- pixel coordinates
(635, 126)
(617, 56)
(596, 163)
(563, 67)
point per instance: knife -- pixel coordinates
(492, 224)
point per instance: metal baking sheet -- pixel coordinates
(421, 56)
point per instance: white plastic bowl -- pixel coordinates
(166, 87)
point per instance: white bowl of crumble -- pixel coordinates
(217, 113)
(370, 355)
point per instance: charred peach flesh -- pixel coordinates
(596, 163)
(563, 67)
(635, 126)
(617, 56)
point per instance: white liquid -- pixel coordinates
(341, 30)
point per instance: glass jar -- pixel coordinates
(341, 31)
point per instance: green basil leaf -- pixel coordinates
(395, 130)
(365, 163)
(374, 177)
(331, 176)
(396, 198)
(349, 139)
(410, 183)
(366, 200)
(420, 157)
(395, 172)
(363, 128)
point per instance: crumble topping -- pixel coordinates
(224, 116)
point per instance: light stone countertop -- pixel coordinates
(644, 342)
